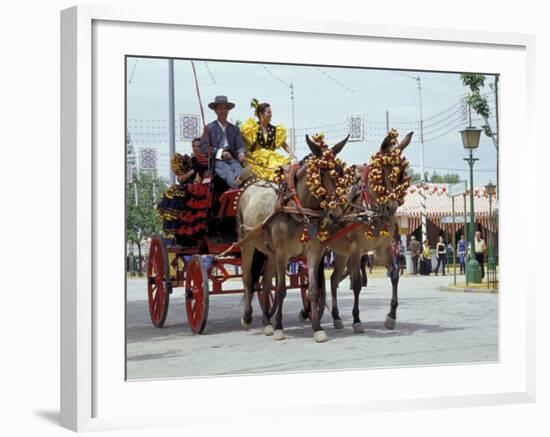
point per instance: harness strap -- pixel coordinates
(366, 172)
(341, 233)
(291, 181)
(254, 232)
(302, 211)
(281, 206)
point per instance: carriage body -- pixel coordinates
(200, 270)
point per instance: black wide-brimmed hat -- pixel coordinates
(221, 100)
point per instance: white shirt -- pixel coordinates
(222, 127)
(480, 246)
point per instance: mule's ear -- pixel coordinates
(406, 141)
(386, 144)
(314, 147)
(338, 147)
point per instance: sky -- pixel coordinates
(324, 97)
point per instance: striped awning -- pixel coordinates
(439, 204)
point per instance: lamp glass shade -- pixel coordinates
(490, 188)
(470, 137)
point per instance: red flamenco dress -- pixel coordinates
(184, 206)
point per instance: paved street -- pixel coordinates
(433, 327)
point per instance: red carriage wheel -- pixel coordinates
(159, 284)
(196, 294)
(304, 284)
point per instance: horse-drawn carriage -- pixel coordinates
(315, 204)
(204, 269)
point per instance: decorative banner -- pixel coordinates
(356, 128)
(189, 127)
(148, 159)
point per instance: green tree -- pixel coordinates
(415, 175)
(142, 219)
(476, 83)
(447, 178)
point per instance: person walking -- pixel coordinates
(426, 259)
(480, 248)
(401, 257)
(461, 252)
(370, 259)
(441, 250)
(415, 248)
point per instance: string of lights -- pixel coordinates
(446, 125)
(336, 80)
(210, 72)
(443, 123)
(133, 71)
(274, 75)
(463, 170)
(453, 129)
(444, 111)
(452, 115)
(321, 128)
(410, 76)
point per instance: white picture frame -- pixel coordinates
(87, 376)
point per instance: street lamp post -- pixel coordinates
(422, 196)
(423, 207)
(470, 140)
(490, 189)
(171, 117)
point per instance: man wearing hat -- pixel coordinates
(416, 249)
(228, 150)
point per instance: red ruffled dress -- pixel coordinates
(184, 208)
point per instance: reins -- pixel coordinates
(292, 195)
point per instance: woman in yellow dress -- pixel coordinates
(262, 139)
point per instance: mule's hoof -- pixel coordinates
(320, 336)
(268, 330)
(338, 324)
(358, 328)
(245, 325)
(278, 334)
(302, 316)
(389, 323)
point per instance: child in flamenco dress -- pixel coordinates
(183, 206)
(262, 139)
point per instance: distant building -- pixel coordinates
(439, 206)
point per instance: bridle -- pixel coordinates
(288, 200)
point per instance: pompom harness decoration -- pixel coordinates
(374, 176)
(341, 175)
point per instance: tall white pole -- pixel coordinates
(422, 177)
(293, 138)
(171, 118)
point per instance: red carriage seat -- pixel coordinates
(227, 203)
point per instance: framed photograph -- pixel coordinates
(171, 124)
